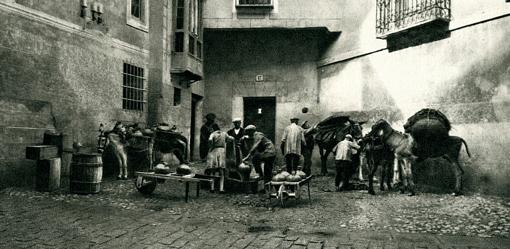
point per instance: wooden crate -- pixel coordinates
(41, 152)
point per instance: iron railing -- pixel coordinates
(394, 16)
(254, 3)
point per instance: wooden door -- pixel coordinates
(261, 112)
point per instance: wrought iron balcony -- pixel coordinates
(254, 3)
(394, 16)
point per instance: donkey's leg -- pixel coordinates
(118, 158)
(324, 159)
(389, 170)
(384, 175)
(458, 172)
(409, 177)
(123, 156)
(396, 171)
(362, 162)
(372, 170)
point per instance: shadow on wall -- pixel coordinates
(433, 31)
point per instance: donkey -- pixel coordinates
(377, 153)
(331, 131)
(116, 140)
(403, 145)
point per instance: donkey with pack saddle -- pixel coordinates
(428, 138)
(377, 153)
(332, 130)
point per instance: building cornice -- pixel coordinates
(43, 18)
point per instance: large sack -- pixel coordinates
(430, 130)
(434, 119)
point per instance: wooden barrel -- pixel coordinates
(86, 173)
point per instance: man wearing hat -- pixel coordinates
(206, 130)
(343, 161)
(292, 140)
(261, 150)
(237, 133)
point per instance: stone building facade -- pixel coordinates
(329, 56)
(263, 61)
(67, 67)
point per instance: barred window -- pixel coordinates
(133, 88)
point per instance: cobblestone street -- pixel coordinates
(120, 217)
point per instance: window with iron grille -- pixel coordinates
(133, 88)
(394, 16)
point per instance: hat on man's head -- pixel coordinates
(294, 118)
(210, 116)
(348, 136)
(250, 127)
(236, 120)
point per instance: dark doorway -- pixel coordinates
(195, 99)
(261, 112)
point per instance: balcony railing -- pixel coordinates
(254, 3)
(394, 16)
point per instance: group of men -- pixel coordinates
(254, 145)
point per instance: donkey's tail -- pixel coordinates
(465, 144)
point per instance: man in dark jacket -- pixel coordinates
(206, 130)
(237, 133)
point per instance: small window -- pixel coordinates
(177, 96)
(254, 3)
(180, 15)
(133, 90)
(138, 14)
(179, 42)
(136, 8)
(199, 49)
(191, 45)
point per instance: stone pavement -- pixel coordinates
(29, 219)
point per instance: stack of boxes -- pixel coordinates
(48, 162)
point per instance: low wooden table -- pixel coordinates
(286, 190)
(146, 182)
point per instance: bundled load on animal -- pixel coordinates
(430, 129)
(330, 129)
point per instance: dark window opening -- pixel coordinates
(179, 42)
(191, 45)
(136, 8)
(254, 2)
(177, 96)
(199, 50)
(133, 88)
(180, 14)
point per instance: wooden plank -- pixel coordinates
(171, 177)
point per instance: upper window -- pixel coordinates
(254, 3)
(188, 27)
(136, 8)
(133, 90)
(138, 14)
